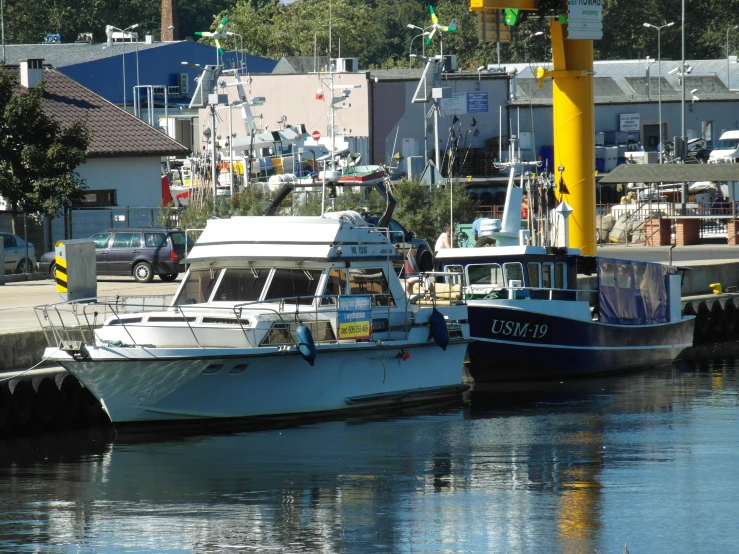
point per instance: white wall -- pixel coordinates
(137, 180)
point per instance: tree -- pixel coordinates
(38, 156)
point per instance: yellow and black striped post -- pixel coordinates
(60, 274)
(75, 272)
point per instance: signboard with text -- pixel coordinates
(585, 19)
(456, 105)
(629, 122)
(354, 317)
(477, 102)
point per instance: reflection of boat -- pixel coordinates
(533, 317)
(276, 316)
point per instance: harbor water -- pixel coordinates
(644, 462)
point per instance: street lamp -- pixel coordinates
(659, 78)
(109, 32)
(728, 70)
(232, 34)
(423, 45)
(526, 43)
(2, 25)
(479, 69)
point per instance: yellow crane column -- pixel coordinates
(574, 133)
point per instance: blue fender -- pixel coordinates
(305, 344)
(439, 330)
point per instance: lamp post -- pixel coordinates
(526, 43)
(2, 25)
(728, 70)
(424, 33)
(659, 78)
(109, 31)
(232, 34)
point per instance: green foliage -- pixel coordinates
(426, 210)
(37, 155)
(419, 208)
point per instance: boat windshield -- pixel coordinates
(727, 144)
(198, 286)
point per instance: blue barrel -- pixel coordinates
(600, 165)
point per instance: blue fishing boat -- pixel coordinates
(546, 312)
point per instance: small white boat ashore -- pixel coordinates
(276, 316)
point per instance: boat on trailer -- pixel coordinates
(276, 317)
(544, 311)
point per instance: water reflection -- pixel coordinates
(555, 467)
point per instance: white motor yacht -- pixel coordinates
(276, 316)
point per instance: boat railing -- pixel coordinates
(492, 292)
(76, 320)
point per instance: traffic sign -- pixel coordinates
(316, 135)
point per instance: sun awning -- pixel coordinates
(671, 173)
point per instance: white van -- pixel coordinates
(726, 150)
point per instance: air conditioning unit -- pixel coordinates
(182, 82)
(347, 65)
(173, 91)
(450, 64)
(158, 91)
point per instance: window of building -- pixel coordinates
(707, 133)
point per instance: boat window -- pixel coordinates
(547, 277)
(560, 275)
(197, 287)
(241, 284)
(485, 274)
(513, 272)
(533, 269)
(294, 282)
(335, 286)
(454, 279)
(371, 280)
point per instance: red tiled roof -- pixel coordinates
(115, 132)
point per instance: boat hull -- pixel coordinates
(159, 384)
(517, 345)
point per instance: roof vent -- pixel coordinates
(32, 71)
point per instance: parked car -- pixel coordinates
(405, 240)
(15, 254)
(139, 252)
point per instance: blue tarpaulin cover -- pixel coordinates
(632, 293)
